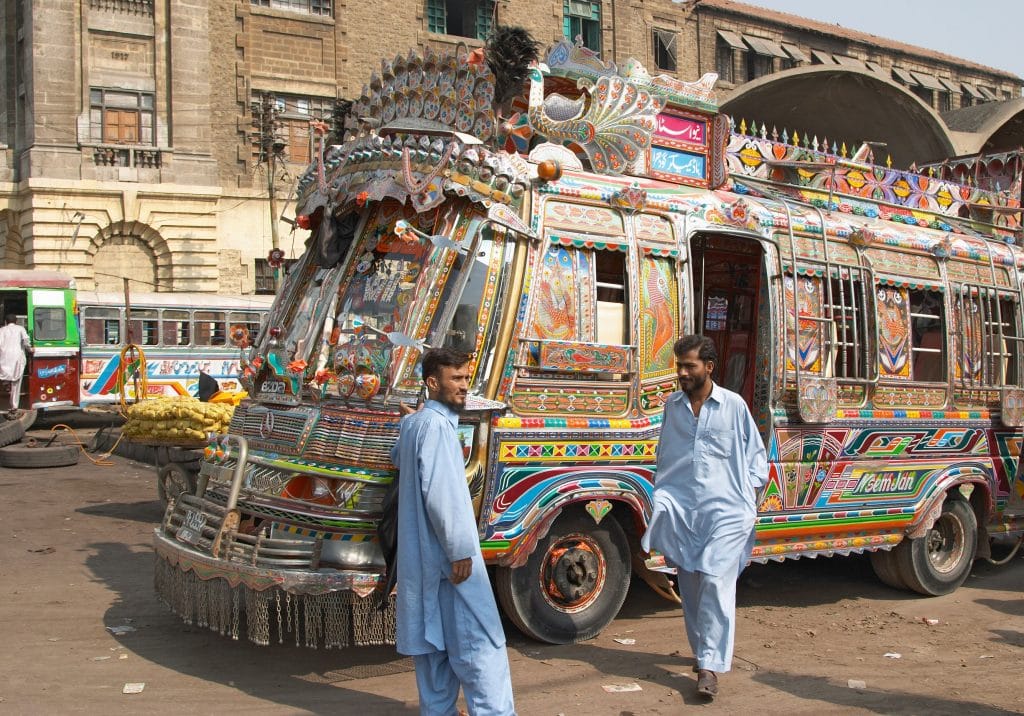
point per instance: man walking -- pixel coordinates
(14, 344)
(447, 618)
(711, 462)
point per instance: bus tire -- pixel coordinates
(39, 455)
(883, 561)
(573, 583)
(940, 561)
(173, 480)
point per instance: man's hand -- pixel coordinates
(407, 410)
(461, 570)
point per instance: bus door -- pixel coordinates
(53, 330)
(727, 276)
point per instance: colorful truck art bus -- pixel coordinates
(79, 339)
(870, 317)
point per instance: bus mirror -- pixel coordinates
(1012, 407)
(817, 400)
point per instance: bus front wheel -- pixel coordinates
(573, 583)
(939, 562)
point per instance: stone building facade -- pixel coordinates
(127, 145)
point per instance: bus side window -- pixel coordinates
(102, 326)
(927, 313)
(610, 274)
(210, 328)
(145, 327)
(175, 328)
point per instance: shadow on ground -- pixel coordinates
(295, 678)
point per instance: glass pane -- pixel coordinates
(96, 96)
(144, 327)
(147, 101)
(175, 328)
(210, 328)
(50, 324)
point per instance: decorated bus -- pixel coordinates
(81, 339)
(564, 231)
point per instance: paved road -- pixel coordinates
(76, 563)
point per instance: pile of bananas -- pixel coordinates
(179, 419)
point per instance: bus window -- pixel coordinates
(210, 328)
(102, 326)
(50, 324)
(175, 328)
(249, 321)
(144, 327)
(927, 336)
(611, 297)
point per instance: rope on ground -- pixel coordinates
(102, 460)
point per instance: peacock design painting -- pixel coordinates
(611, 122)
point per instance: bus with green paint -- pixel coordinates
(45, 305)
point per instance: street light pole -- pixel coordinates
(265, 121)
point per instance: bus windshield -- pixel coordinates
(365, 323)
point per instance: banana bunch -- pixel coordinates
(181, 418)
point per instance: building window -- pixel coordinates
(757, 65)
(924, 93)
(582, 19)
(120, 117)
(945, 101)
(966, 100)
(723, 61)
(264, 275)
(313, 7)
(464, 18)
(294, 115)
(665, 49)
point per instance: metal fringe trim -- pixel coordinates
(334, 619)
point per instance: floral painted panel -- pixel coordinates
(893, 332)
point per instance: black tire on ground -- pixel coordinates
(940, 561)
(39, 456)
(884, 563)
(573, 583)
(172, 480)
(11, 431)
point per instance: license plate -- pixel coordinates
(191, 527)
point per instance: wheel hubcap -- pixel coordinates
(945, 543)
(573, 573)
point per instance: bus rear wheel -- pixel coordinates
(939, 562)
(172, 481)
(573, 583)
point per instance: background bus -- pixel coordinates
(44, 303)
(179, 334)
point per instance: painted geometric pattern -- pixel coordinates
(529, 452)
(654, 395)
(546, 400)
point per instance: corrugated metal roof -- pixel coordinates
(847, 61)
(928, 81)
(795, 52)
(987, 93)
(952, 86)
(732, 39)
(822, 57)
(763, 46)
(904, 77)
(875, 67)
(972, 90)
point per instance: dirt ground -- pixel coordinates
(76, 564)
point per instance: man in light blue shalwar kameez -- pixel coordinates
(711, 463)
(447, 619)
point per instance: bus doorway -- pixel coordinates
(727, 276)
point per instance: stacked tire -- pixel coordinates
(31, 453)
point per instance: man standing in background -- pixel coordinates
(14, 344)
(711, 463)
(447, 619)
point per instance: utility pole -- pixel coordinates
(264, 120)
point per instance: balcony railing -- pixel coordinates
(116, 155)
(134, 7)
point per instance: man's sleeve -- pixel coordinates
(757, 457)
(443, 482)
